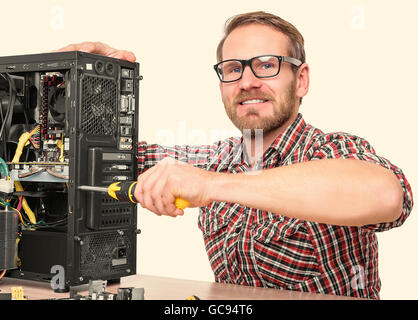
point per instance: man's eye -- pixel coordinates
(236, 69)
(267, 66)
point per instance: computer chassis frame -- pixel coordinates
(99, 240)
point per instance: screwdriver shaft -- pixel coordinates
(92, 188)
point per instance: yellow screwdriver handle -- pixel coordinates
(125, 192)
(181, 203)
(113, 190)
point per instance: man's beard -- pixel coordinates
(282, 111)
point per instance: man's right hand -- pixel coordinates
(100, 48)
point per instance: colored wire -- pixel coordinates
(4, 203)
(8, 206)
(23, 139)
(25, 204)
(34, 143)
(57, 223)
(19, 206)
(20, 216)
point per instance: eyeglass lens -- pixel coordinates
(265, 66)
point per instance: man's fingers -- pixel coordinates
(87, 46)
(124, 55)
(179, 212)
(168, 203)
(99, 48)
(157, 195)
(153, 192)
(149, 203)
(150, 184)
(70, 47)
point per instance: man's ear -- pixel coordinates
(302, 81)
(220, 87)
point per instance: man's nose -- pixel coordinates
(249, 80)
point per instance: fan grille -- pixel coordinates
(98, 254)
(99, 106)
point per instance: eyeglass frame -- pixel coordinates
(248, 62)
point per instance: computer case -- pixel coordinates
(81, 110)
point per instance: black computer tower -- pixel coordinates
(81, 110)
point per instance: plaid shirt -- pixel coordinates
(248, 246)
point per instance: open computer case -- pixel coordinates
(67, 119)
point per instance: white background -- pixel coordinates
(362, 56)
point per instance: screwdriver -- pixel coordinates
(124, 191)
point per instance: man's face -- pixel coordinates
(279, 102)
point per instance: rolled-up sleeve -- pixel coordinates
(208, 157)
(346, 146)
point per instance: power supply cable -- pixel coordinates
(42, 224)
(23, 139)
(25, 205)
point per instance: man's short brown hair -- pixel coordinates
(296, 49)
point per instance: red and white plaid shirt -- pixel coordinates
(248, 246)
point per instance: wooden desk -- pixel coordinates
(161, 288)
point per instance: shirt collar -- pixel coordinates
(284, 142)
(289, 138)
(282, 146)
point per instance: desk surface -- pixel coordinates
(161, 288)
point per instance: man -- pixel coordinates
(275, 217)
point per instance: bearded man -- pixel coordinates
(300, 214)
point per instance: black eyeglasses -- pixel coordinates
(265, 66)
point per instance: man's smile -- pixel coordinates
(252, 101)
(252, 107)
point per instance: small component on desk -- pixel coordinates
(97, 291)
(192, 297)
(130, 294)
(17, 293)
(5, 296)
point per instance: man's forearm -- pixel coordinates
(332, 191)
